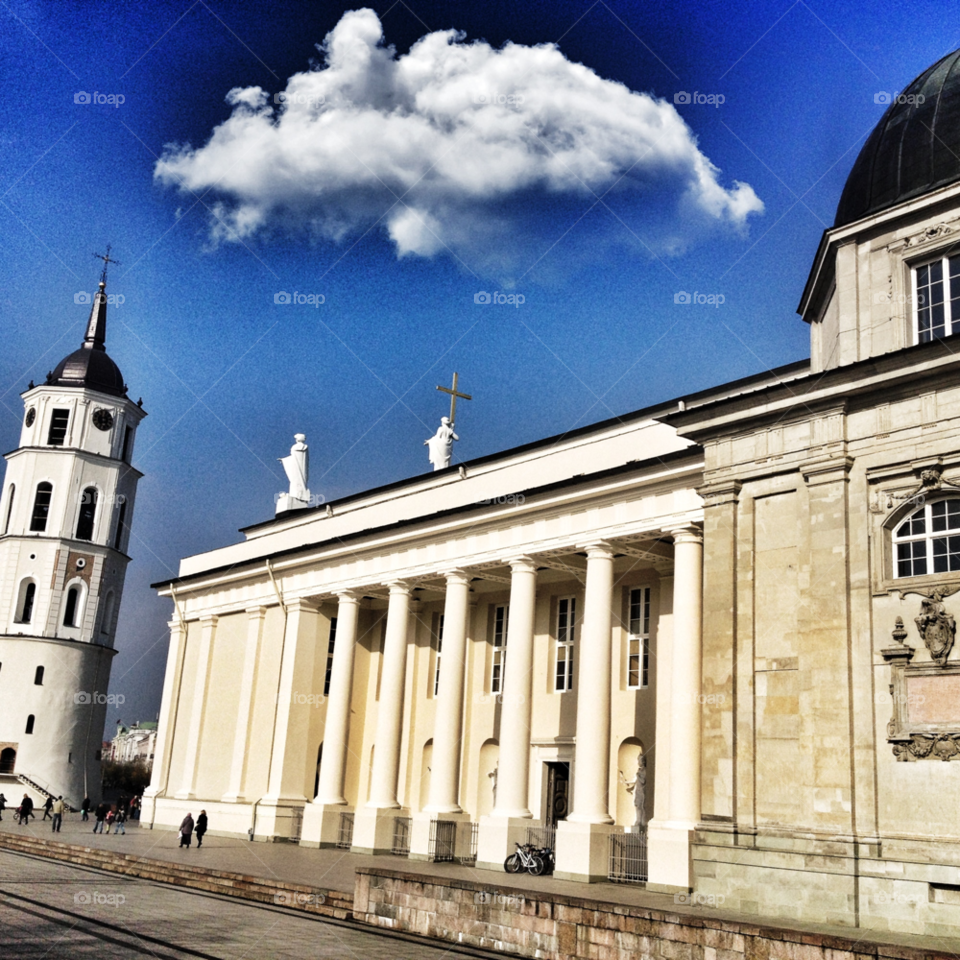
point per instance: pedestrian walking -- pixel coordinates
(85, 809)
(58, 808)
(111, 816)
(135, 808)
(101, 815)
(186, 830)
(25, 812)
(201, 827)
(3, 805)
(119, 820)
(47, 807)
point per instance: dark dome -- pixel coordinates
(914, 149)
(89, 367)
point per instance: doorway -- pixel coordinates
(558, 792)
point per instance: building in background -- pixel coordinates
(135, 743)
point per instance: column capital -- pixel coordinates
(597, 549)
(521, 563)
(256, 612)
(688, 534)
(209, 620)
(303, 604)
(456, 575)
(399, 587)
(349, 596)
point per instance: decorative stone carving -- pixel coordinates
(937, 627)
(928, 235)
(922, 746)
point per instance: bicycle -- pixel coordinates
(525, 858)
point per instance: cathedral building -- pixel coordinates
(724, 624)
(65, 516)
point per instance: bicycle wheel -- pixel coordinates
(512, 863)
(536, 868)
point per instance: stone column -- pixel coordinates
(373, 824)
(511, 816)
(321, 819)
(198, 709)
(241, 737)
(582, 839)
(670, 841)
(169, 707)
(291, 748)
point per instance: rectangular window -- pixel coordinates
(499, 648)
(436, 672)
(937, 287)
(58, 427)
(127, 437)
(330, 643)
(566, 637)
(638, 640)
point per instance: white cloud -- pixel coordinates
(447, 145)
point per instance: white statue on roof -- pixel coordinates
(440, 444)
(297, 468)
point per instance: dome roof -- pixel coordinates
(915, 148)
(90, 366)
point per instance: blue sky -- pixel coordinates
(228, 376)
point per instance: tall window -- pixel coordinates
(127, 437)
(329, 671)
(107, 621)
(59, 419)
(28, 594)
(41, 507)
(70, 608)
(121, 521)
(566, 636)
(499, 648)
(29, 724)
(928, 541)
(436, 672)
(638, 639)
(38, 677)
(938, 298)
(88, 513)
(6, 522)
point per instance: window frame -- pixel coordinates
(498, 661)
(565, 640)
(951, 324)
(35, 517)
(87, 513)
(328, 670)
(927, 538)
(54, 423)
(638, 641)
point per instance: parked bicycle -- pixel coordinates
(526, 858)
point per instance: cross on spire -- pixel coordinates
(105, 257)
(453, 397)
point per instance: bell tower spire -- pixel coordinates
(96, 337)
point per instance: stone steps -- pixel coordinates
(315, 900)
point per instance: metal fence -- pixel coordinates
(443, 841)
(401, 837)
(345, 834)
(296, 824)
(628, 858)
(541, 837)
(468, 850)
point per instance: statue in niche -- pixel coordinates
(937, 627)
(494, 775)
(638, 787)
(440, 445)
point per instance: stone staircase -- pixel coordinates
(315, 900)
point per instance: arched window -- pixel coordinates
(38, 677)
(10, 496)
(928, 541)
(30, 720)
(8, 760)
(88, 513)
(41, 507)
(28, 593)
(70, 607)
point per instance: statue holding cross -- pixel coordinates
(440, 444)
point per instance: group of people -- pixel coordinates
(188, 828)
(53, 809)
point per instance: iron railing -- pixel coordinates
(468, 850)
(541, 837)
(443, 841)
(345, 833)
(401, 837)
(628, 857)
(296, 824)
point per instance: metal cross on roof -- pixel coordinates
(105, 257)
(453, 397)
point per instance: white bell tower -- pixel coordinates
(65, 514)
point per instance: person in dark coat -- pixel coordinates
(47, 807)
(101, 815)
(85, 809)
(186, 830)
(26, 810)
(201, 827)
(3, 805)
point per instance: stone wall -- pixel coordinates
(527, 923)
